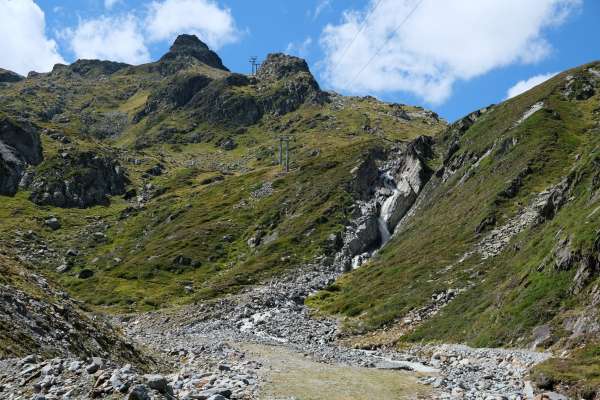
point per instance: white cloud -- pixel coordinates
(299, 49)
(525, 85)
(321, 6)
(116, 38)
(110, 3)
(440, 43)
(212, 24)
(24, 46)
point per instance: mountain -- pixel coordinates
(501, 247)
(155, 193)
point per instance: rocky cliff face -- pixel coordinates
(82, 179)
(20, 146)
(285, 83)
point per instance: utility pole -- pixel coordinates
(254, 64)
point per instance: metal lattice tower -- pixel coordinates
(254, 64)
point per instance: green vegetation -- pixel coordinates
(503, 297)
(580, 373)
(190, 240)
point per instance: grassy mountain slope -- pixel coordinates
(206, 209)
(541, 286)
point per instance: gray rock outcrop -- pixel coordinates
(20, 146)
(78, 180)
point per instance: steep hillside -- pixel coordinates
(501, 248)
(37, 318)
(160, 183)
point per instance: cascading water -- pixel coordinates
(386, 210)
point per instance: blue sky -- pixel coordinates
(448, 56)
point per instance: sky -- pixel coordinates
(450, 56)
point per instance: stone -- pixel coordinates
(182, 260)
(156, 382)
(72, 253)
(117, 383)
(75, 366)
(95, 365)
(156, 170)
(85, 273)
(30, 359)
(225, 392)
(138, 392)
(62, 268)
(227, 144)
(52, 223)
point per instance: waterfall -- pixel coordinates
(386, 210)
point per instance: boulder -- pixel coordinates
(85, 274)
(78, 180)
(156, 382)
(227, 144)
(138, 392)
(52, 223)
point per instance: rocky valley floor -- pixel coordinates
(263, 344)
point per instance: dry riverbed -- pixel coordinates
(291, 375)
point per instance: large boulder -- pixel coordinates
(78, 180)
(20, 146)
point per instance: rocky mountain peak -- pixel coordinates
(190, 46)
(188, 41)
(278, 66)
(7, 76)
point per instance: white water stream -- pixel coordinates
(386, 210)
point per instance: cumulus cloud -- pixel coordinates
(24, 46)
(213, 24)
(110, 3)
(440, 43)
(299, 49)
(525, 85)
(117, 38)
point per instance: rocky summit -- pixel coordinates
(175, 230)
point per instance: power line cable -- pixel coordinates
(386, 42)
(362, 27)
